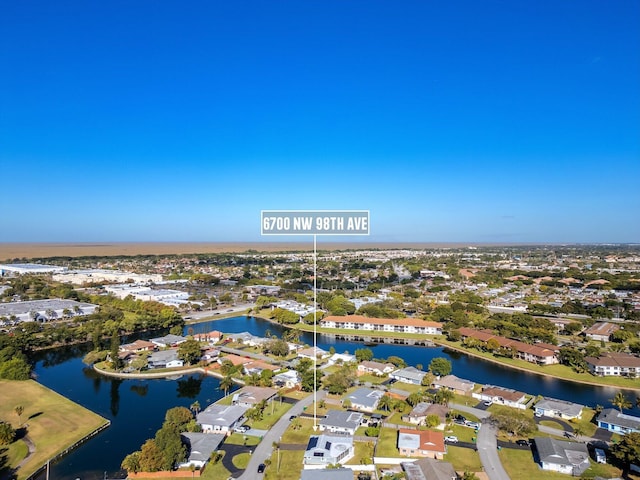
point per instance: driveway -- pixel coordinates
(488, 451)
(265, 448)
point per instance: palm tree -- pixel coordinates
(578, 432)
(195, 407)
(621, 401)
(19, 410)
(225, 384)
(385, 402)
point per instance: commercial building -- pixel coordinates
(601, 331)
(29, 268)
(98, 275)
(44, 310)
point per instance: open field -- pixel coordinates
(45, 250)
(54, 423)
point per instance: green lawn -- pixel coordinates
(464, 459)
(387, 443)
(272, 413)
(289, 468)
(363, 453)
(519, 464)
(215, 471)
(301, 435)
(241, 460)
(54, 422)
(239, 439)
(373, 379)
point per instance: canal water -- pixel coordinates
(136, 408)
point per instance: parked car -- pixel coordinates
(241, 429)
(461, 418)
(538, 414)
(451, 439)
(488, 403)
(523, 443)
(292, 418)
(261, 467)
(470, 424)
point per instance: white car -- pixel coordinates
(488, 403)
(451, 439)
(241, 429)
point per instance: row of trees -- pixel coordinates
(166, 450)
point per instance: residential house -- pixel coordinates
(247, 338)
(327, 474)
(339, 421)
(221, 418)
(234, 359)
(169, 341)
(164, 359)
(550, 407)
(402, 325)
(616, 422)
(614, 364)
(428, 469)
(457, 385)
(422, 410)
(364, 399)
(287, 379)
(601, 331)
(250, 396)
(211, 337)
(561, 456)
(368, 367)
(313, 354)
(409, 375)
(341, 358)
(502, 396)
(210, 355)
(139, 346)
(421, 443)
(257, 367)
(200, 446)
(328, 449)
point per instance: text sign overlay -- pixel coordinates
(315, 222)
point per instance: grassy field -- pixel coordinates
(464, 459)
(387, 443)
(289, 468)
(272, 413)
(53, 422)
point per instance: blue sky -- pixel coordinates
(493, 121)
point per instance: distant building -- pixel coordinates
(421, 443)
(539, 353)
(616, 422)
(614, 364)
(29, 268)
(211, 337)
(312, 354)
(402, 325)
(561, 456)
(328, 450)
(342, 358)
(550, 407)
(45, 310)
(81, 277)
(601, 331)
(287, 379)
(138, 346)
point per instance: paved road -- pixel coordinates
(488, 451)
(194, 316)
(265, 448)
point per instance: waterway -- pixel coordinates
(136, 408)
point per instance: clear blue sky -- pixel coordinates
(492, 121)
